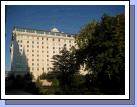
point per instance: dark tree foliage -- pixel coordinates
(64, 64)
(102, 48)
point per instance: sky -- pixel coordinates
(68, 19)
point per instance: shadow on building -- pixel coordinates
(20, 80)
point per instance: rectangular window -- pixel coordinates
(53, 39)
(37, 46)
(37, 64)
(37, 42)
(32, 63)
(53, 47)
(37, 68)
(27, 41)
(32, 42)
(59, 40)
(37, 55)
(37, 59)
(32, 50)
(42, 47)
(27, 45)
(32, 54)
(32, 59)
(42, 38)
(37, 38)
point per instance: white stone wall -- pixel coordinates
(34, 52)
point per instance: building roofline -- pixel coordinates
(18, 27)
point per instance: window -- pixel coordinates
(32, 46)
(32, 59)
(27, 41)
(32, 54)
(47, 59)
(37, 38)
(20, 45)
(42, 51)
(27, 50)
(59, 40)
(53, 39)
(47, 47)
(32, 69)
(37, 42)
(37, 55)
(69, 41)
(27, 45)
(47, 38)
(37, 51)
(47, 55)
(42, 42)
(42, 47)
(42, 38)
(37, 68)
(32, 42)
(37, 46)
(53, 51)
(37, 59)
(47, 51)
(32, 63)
(53, 47)
(32, 50)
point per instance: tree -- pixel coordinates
(102, 48)
(64, 64)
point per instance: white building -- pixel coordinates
(32, 50)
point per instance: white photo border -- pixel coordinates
(86, 97)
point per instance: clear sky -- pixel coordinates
(67, 19)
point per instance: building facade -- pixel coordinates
(32, 50)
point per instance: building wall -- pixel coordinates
(32, 50)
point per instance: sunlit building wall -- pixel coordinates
(32, 50)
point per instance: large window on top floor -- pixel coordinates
(30, 30)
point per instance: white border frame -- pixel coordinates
(126, 96)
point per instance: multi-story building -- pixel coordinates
(32, 50)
